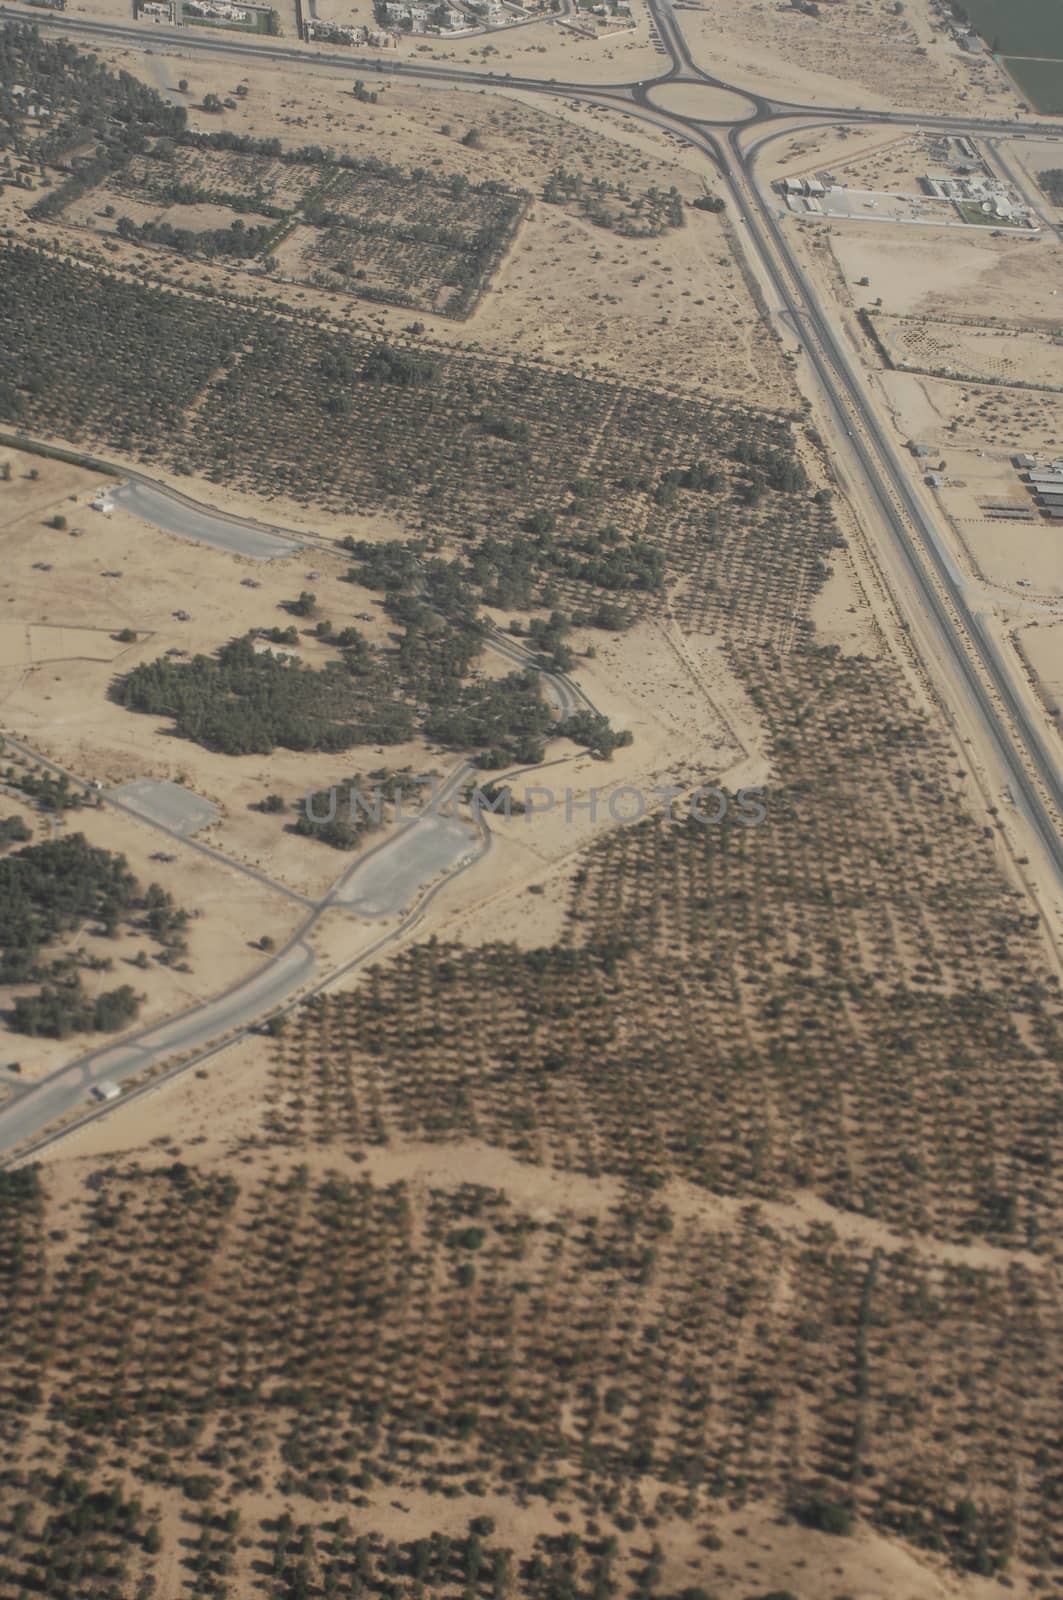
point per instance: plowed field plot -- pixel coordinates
(963, 350)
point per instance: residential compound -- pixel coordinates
(452, 16)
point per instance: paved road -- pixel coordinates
(42, 1104)
(623, 95)
(113, 797)
(1017, 739)
(189, 521)
(388, 881)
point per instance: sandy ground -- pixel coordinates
(870, 57)
(1011, 280)
(701, 101)
(1041, 645)
(60, 706)
(692, 724)
(689, 716)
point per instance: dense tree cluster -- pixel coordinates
(236, 240)
(13, 830)
(61, 1008)
(61, 886)
(51, 791)
(88, 103)
(55, 886)
(1052, 184)
(245, 701)
(503, 720)
(333, 817)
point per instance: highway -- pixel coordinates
(1031, 765)
(950, 629)
(621, 96)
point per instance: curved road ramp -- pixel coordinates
(178, 516)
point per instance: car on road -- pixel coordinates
(105, 1090)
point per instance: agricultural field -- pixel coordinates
(663, 1211)
(364, 227)
(401, 1416)
(623, 489)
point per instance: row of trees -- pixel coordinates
(614, 206)
(236, 240)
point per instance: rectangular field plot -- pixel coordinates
(214, 174)
(24, 644)
(962, 350)
(426, 276)
(359, 228)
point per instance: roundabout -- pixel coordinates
(702, 102)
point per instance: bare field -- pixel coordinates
(915, 271)
(996, 355)
(870, 55)
(858, 158)
(993, 303)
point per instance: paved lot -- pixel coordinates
(388, 882)
(189, 523)
(169, 804)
